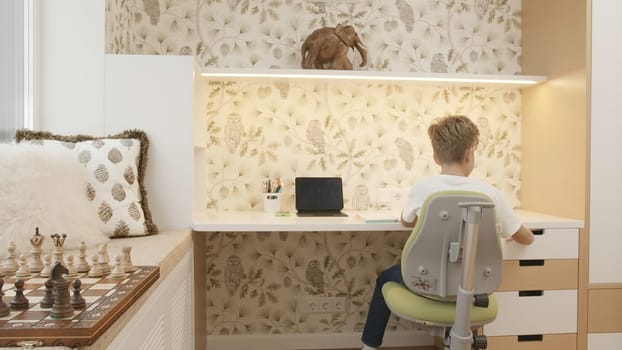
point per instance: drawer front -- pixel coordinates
(541, 274)
(534, 312)
(559, 243)
(534, 342)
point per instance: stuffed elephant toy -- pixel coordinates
(327, 48)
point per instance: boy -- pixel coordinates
(454, 139)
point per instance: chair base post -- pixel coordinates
(461, 335)
(457, 342)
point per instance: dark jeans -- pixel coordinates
(378, 314)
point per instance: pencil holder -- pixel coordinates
(271, 202)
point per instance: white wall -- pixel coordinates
(81, 90)
(155, 94)
(606, 144)
(604, 341)
(70, 66)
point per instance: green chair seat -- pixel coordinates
(413, 307)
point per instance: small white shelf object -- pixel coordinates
(434, 79)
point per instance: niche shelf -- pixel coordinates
(433, 79)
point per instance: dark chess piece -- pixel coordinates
(48, 298)
(77, 301)
(61, 307)
(19, 302)
(4, 309)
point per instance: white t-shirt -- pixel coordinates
(507, 221)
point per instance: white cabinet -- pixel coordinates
(165, 320)
(538, 294)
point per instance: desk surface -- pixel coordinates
(255, 221)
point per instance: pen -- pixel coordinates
(278, 185)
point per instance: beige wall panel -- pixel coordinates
(553, 168)
(555, 118)
(605, 310)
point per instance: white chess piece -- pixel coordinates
(95, 270)
(71, 269)
(117, 270)
(1, 270)
(23, 270)
(83, 265)
(58, 251)
(10, 265)
(47, 266)
(104, 259)
(127, 259)
(36, 240)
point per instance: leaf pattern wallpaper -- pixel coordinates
(372, 134)
(475, 36)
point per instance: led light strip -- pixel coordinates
(386, 76)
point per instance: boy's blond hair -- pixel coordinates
(452, 137)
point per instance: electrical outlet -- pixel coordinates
(324, 305)
(312, 305)
(340, 305)
(391, 197)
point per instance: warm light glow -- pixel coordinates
(448, 78)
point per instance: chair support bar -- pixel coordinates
(461, 335)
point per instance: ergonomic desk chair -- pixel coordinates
(451, 262)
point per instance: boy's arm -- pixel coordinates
(522, 236)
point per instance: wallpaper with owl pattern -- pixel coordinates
(371, 134)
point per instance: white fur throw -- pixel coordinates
(43, 187)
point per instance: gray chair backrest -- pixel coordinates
(427, 266)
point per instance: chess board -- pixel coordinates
(106, 299)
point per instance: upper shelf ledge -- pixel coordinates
(440, 79)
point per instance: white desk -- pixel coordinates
(547, 269)
(259, 221)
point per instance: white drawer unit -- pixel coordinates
(554, 243)
(534, 312)
(538, 294)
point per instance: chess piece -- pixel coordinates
(46, 271)
(59, 240)
(48, 298)
(127, 259)
(19, 301)
(71, 267)
(83, 265)
(1, 269)
(35, 241)
(23, 270)
(4, 309)
(61, 306)
(95, 270)
(10, 265)
(104, 260)
(117, 271)
(77, 301)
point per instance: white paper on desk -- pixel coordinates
(384, 216)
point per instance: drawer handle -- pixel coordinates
(530, 337)
(531, 262)
(538, 232)
(530, 293)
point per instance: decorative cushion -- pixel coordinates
(44, 188)
(115, 166)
